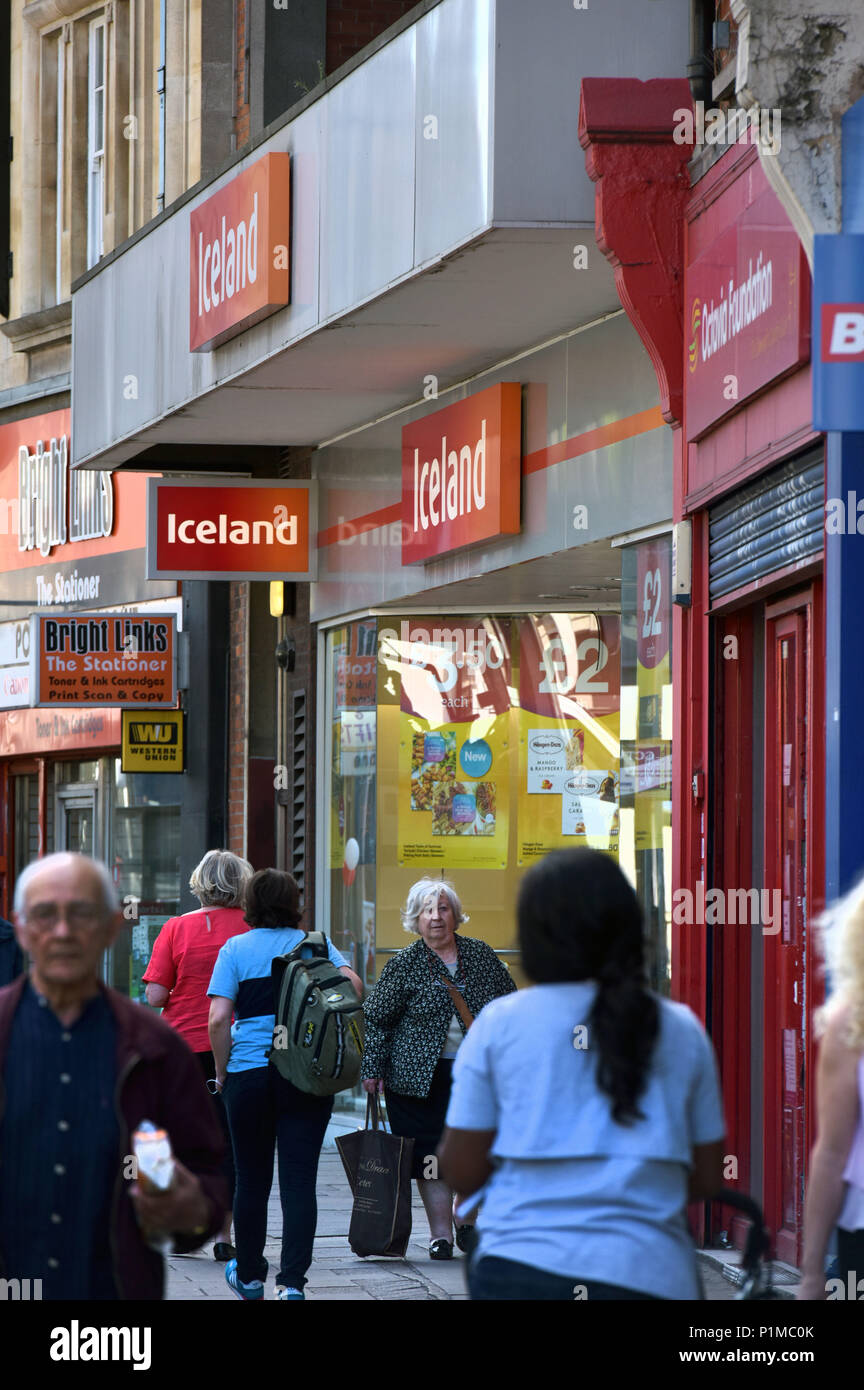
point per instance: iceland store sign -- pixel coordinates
(254, 529)
(838, 333)
(461, 474)
(239, 266)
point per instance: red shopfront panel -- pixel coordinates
(732, 813)
(789, 722)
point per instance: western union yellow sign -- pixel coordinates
(153, 741)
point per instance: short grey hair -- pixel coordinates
(110, 898)
(420, 892)
(220, 879)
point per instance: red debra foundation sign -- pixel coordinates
(239, 269)
(748, 311)
(244, 529)
(461, 474)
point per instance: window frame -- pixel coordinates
(96, 153)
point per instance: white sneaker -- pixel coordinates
(289, 1295)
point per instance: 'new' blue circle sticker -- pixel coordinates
(475, 757)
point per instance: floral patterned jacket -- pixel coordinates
(408, 1012)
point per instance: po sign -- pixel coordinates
(239, 269)
(461, 474)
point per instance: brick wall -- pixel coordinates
(241, 94)
(237, 717)
(351, 24)
(726, 55)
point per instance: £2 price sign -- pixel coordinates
(569, 682)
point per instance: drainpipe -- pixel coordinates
(700, 68)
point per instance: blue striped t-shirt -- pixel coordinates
(242, 974)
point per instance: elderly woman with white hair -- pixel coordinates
(178, 976)
(416, 1017)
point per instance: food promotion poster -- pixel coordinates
(451, 683)
(569, 752)
(653, 770)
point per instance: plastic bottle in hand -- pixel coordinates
(155, 1162)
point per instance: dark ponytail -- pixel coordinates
(579, 919)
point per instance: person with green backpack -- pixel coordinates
(267, 1111)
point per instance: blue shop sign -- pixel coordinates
(838, 333)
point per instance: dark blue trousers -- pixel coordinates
(491, 1278)
(266, 1113)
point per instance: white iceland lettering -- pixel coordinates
(451, 485)
(229, 262)
(226, 530)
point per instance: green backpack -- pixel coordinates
(318, 1031)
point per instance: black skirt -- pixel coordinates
(421, 1118)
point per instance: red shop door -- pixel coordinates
(788, 720)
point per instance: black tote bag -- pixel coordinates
(378, 1168)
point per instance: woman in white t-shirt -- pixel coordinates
(587, 1108)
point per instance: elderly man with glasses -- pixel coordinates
(80, 1068)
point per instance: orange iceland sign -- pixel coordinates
(461, 474)
(239, 249)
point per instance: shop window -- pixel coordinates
(96, 84)
(468, 748)
(350, 727)
(26, 803)
(68, 773)
(145, 862)
(646, 742)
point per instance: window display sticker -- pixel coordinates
(357, 742)
(589, 802)
(459, 809)
(569, 692)
(452, 687)
(551, 755)
(433, 767)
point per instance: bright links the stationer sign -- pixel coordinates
(461, 474)
(239, 253)
(236, 529)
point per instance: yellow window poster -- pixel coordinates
(653, 752)
(448, 686)
(569, 754)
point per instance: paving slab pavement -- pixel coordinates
(339, 1275)
(336, 1273)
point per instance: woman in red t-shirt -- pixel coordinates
(179, 972)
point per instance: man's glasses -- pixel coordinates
(78, 916)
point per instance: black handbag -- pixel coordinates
(378, 1167)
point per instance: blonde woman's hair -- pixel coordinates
(424, 889)
(220, 879)
(841, 932)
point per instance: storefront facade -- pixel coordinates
(754, 491)
(480, 707)
(749, 646)
(487, 276)
(75, 545)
